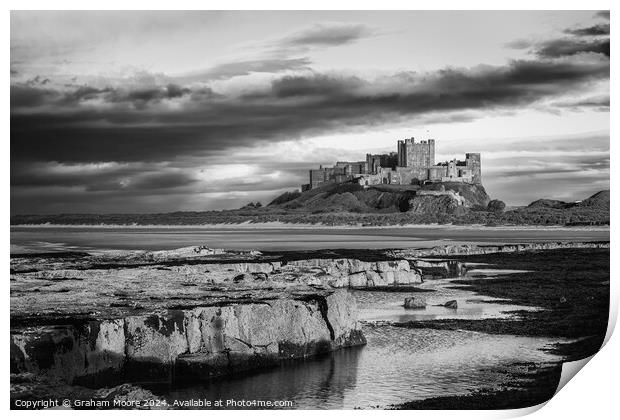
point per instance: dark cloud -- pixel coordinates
(601, 103)
(596, 30)
(597, 43)
(49, 187)
(144, 96)
(603, 14)
(50, 125)
(569, 46)
(328, 35)
(163, 183)
(317, 85)
(26, 95)
(136, 178)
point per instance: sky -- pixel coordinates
(131, 112)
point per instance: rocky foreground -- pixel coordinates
(80, 322)
(189, 314)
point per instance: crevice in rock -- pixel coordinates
(321, 302)
(243, 342)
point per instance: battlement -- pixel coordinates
(413, 163)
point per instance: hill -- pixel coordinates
(594, 210)
(350, 204)
(346, 197)
(546, 203)
(443, 197)
(600, 200)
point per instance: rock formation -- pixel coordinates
(469, 249)
(193, 313)
(215, 339)
(415, 302)
(432, 268)
(452, 304)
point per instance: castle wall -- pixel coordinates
(353, 168)
(375, 162)
(414, 162)
(406, 176)
(435, 173)
(324, 175)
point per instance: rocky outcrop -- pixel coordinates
(80, 320)
(203, 341)
(433, 202)
(471, 194)
(448, 198)
(440, 268)
(468, 249)
(351, 273)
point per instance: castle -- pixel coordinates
(413, 164)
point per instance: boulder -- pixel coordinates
(452, 304)
(243, 277)
(415, 302)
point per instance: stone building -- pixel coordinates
(325, 175)
(418, 155)
(413, 164)
(374, 162)
(353, 168)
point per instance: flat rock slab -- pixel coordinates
(49, 288)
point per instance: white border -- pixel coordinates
(592, 395)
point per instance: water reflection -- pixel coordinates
(316, 383)
(397, 365)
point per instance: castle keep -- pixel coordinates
(413, 164)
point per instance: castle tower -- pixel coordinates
(431, 152)
(416, 155)
(474, 165)
(402, 152)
